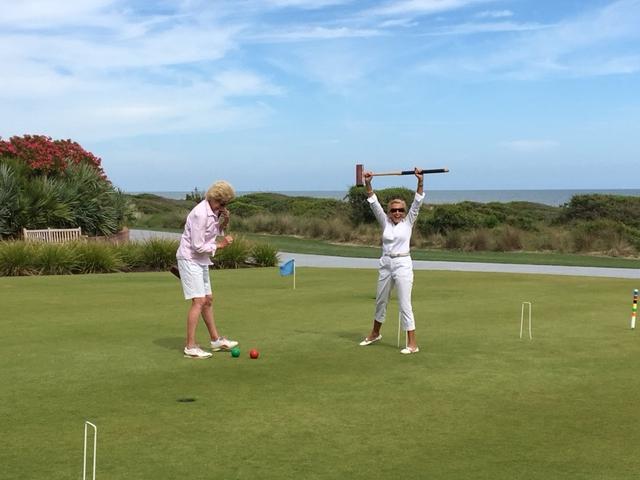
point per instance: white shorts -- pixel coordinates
(194, 278)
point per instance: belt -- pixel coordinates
(396, 255)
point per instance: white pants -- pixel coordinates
(399, 272)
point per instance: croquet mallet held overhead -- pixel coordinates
(360, 172)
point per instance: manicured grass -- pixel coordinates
(319, 247)
(476, 402)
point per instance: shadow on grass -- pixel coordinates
(170, 343)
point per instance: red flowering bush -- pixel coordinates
(44, 155)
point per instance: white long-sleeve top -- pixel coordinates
(396, 237)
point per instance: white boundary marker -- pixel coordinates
(522, 309)
(95, 445)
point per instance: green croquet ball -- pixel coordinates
(235, 352)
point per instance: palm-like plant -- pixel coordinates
(79, 196)
(9, 190)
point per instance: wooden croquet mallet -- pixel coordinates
(360, 171)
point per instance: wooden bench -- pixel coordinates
(52, 235)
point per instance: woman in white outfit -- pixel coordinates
(396, 267)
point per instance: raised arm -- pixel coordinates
(414, 210)
(377, 209)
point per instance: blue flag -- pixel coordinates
(288, 268)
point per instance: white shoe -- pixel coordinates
(409, 351)
(366, 341)
(196, 352)
(222, 343)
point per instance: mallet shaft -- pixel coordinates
(411, 172)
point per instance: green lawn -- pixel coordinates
(476, 403)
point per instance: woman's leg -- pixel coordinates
(208, 317)
(192, 320)
(385, 284)
(403, 274)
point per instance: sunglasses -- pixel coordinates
(395, 210)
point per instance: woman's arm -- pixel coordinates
(378, 212)
(420, 178)
(198, 226)
(414, 210)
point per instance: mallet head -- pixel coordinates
(359, 171)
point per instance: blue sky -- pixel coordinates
(291, 94)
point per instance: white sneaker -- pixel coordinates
(409, 351)
(222, 343)
(196, 352)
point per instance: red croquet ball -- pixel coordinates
(254, 353)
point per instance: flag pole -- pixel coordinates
(294, 273)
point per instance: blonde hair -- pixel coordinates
(397, 200)
(221, 191)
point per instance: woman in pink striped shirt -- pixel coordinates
(199, 242)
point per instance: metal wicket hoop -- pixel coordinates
(522, 311)
(95, 445)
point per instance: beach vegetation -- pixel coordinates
(588, 224)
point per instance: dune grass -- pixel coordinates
(476, 402)
(321, 247)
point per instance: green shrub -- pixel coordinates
(17, 258)
(195, 196)
(158, 254)
(508, 239)
(56, 259)
(265, 255)
(9, 201)
(131, 255)
(623, 209)
(241, 208)
(94, 257)
(358, 206)
(234, 255)
(453, 240)
(76, 196)
(604, 235)
(478, 240)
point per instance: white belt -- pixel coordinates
(396, 255)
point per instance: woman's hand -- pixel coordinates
(418, 173)
(367, 176)
(225, 242)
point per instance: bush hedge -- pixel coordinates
(19, 258)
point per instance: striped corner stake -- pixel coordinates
(634, 309)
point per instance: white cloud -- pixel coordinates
(420, 7)
(305, 4)
(594, 43)
(244, 83)
(94, 70)
(398, 22)
(529, 146)
(487, 27)
(45, 13)
(495, 14)
(303, 33)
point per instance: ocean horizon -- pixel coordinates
(553, 197)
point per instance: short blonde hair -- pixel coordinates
(397, 200)
(221, 191)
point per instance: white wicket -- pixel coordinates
(399, 328)
(95, 445)
(522, 309)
